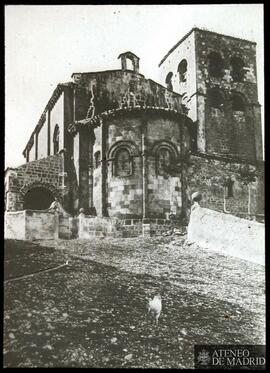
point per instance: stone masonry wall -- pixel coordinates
(164, 192)
(206, 175)
(98, 92)
(41, 224)
(227, 131)
(207, 42)
(46, 172)
(31, 225)
(125, 193)
(15, 225)
(124, 196)
(89, 227)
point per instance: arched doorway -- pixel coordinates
(38, 198)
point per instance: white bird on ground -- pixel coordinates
(154, 307)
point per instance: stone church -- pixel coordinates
(119, 145)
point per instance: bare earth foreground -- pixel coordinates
(92, 312)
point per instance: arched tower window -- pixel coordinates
(182, 71)
(168, 81)
(97, 159)
(56, 134)
(237, 69)
(215, 98)
(215, 67)
(238, 103)
(123, 166)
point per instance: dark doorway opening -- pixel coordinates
(38, 199)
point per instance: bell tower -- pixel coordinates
(216, 76)
(129, 56)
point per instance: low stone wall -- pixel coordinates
(44, 224)
(31, 225)
(91, 226)
(227, 234)
(68, 226)
(207, 175)
(40, 225)
(15, 225)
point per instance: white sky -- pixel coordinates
(44, 45)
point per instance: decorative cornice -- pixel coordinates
(95, 121)
(104, 72)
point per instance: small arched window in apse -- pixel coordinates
(163, 161)
(123, 166)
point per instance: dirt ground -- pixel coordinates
(92, 312)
